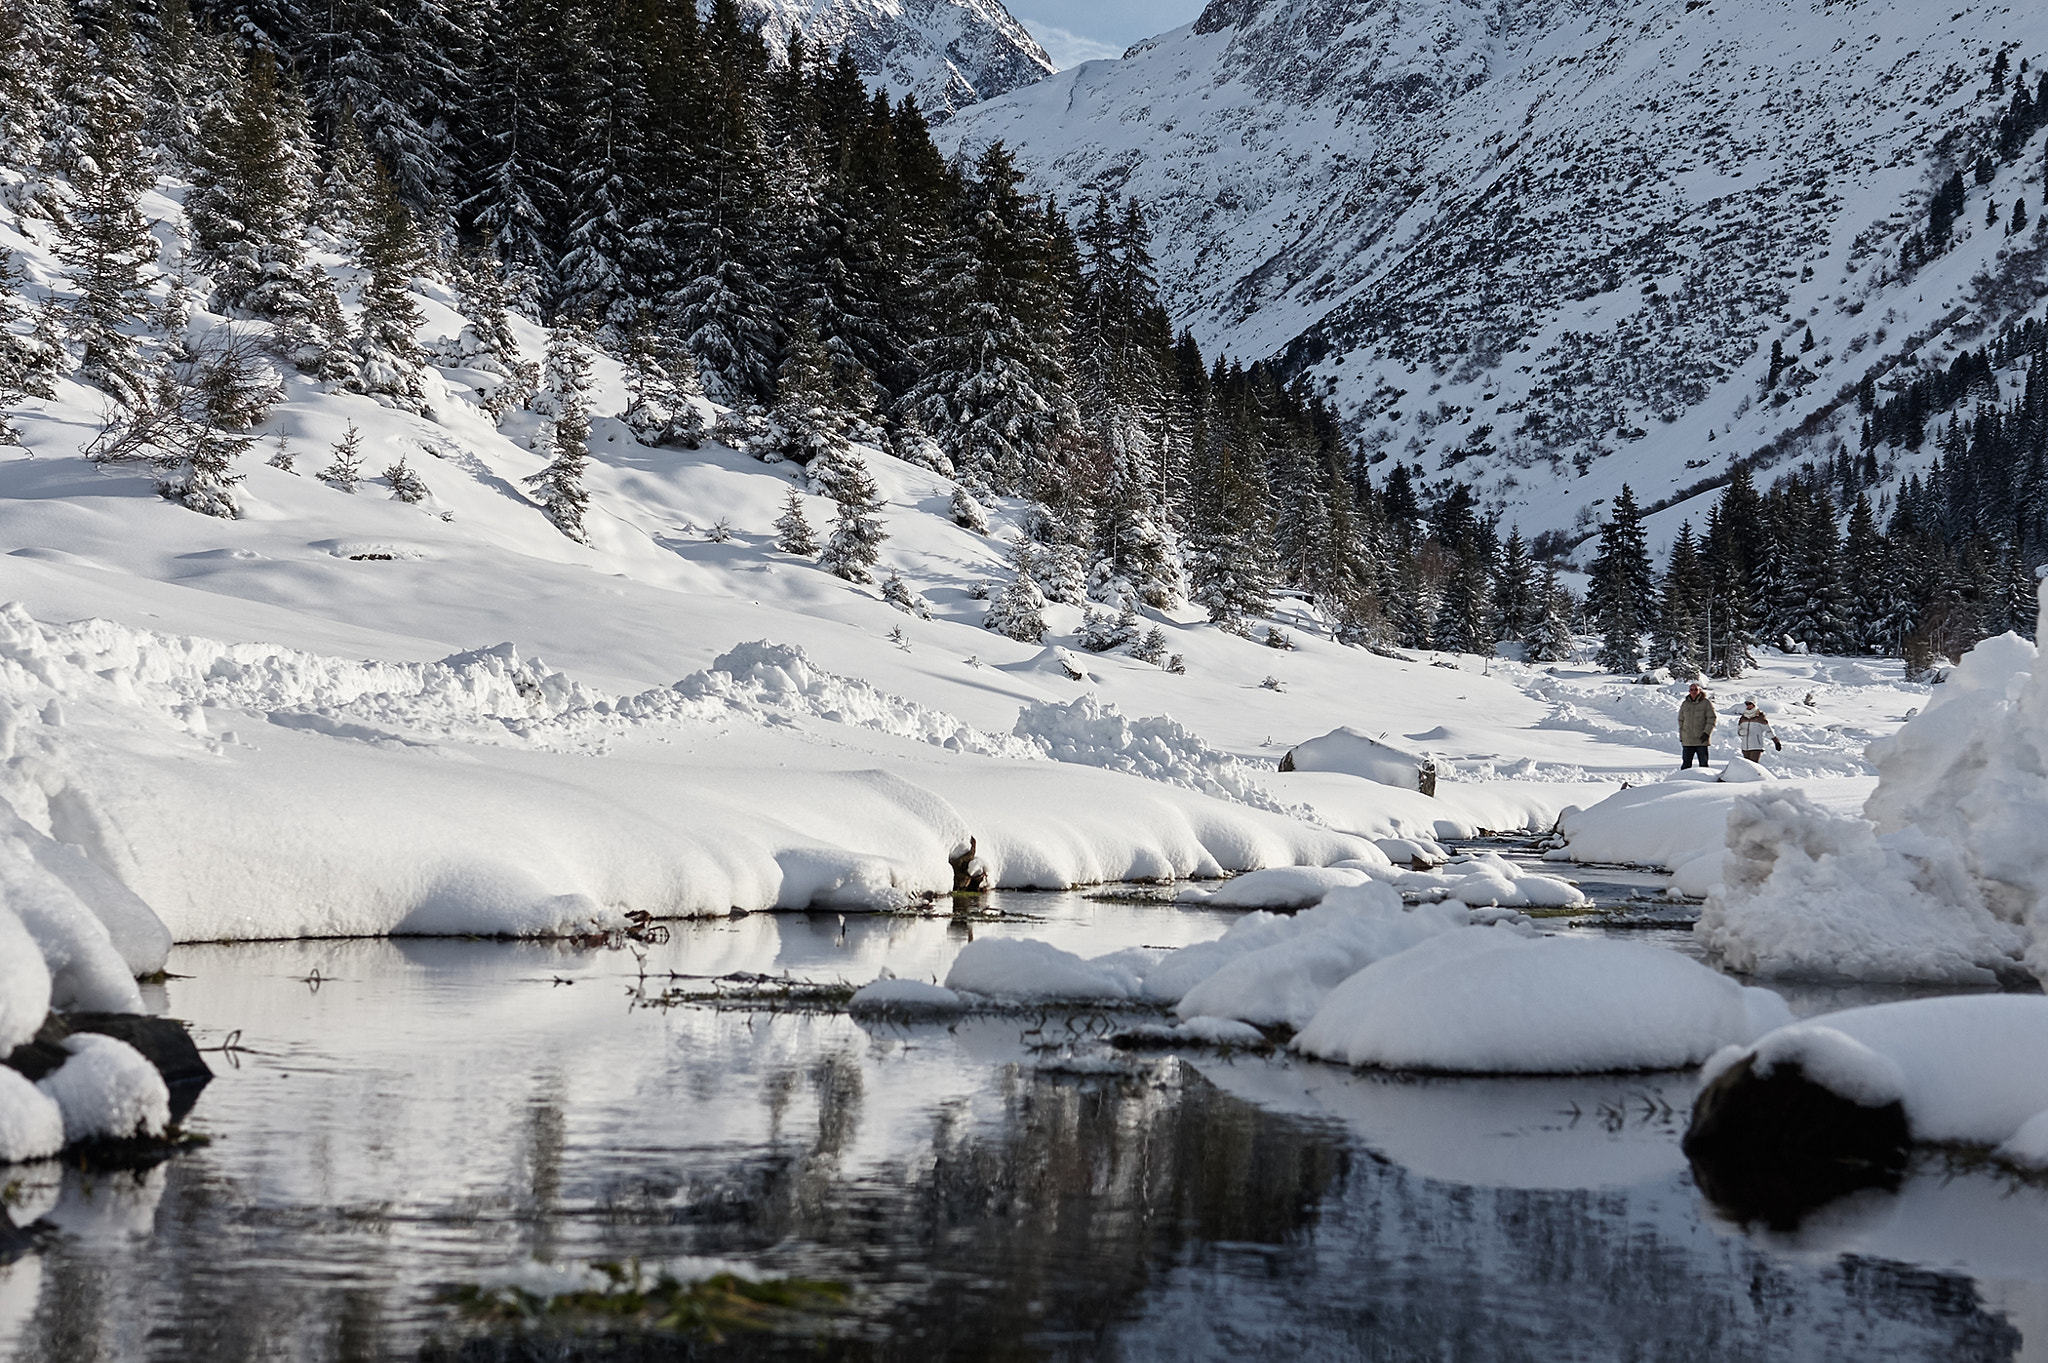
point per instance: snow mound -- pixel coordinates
(1407, 851)
(1094, 733)
(1270, 970)
(1804, 893)
(764, 675)
(106, 1089)
(1202, 1031)
(31, 1123)
(2028, 1147)
(1501, 1000)
(1277, 887)
(1966, 1068)
(1665, 823)
(1347, 750)
(1024, 968)
(1478, 879)
(1741, 771)
(1944, 882)
(890, 995)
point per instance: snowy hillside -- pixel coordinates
(1546, 248)
(948, 53)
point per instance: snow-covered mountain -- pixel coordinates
(1549, 245)
(949, 53)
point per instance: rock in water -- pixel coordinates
(163, 1042)
(1776, 1147)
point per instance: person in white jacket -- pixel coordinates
(1752, 729)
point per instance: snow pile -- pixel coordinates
(1478, 879)
(1277, 887)
(1280, 970)
(763, 675)
(891, 995)
(1024, 968)
(1945, 883)
(107, 1090)
(176, 674)
(1967, 1069)
(31, 1123)
(1502, 1000)
(1094, 733)
(1347, 750)
(1808, 894)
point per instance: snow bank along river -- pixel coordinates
(410, 1113)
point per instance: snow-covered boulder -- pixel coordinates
(1830, 1104)
(31, 1123)
(1280, 970)
(1502, 1000)
(1346, 750)
(107, 1090)
(1278, 887)
(1022, 968)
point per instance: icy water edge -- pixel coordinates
(406, 1115)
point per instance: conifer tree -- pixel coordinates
(388, 355)
(1677, 643)
(793, 533)
(661, 380)
(1018, 610)
(106, 241)
(805, 423)
(559, 486)
(992, 388)
(1622, 585)
(1867, 577)
(897, 593)
(1515, 606)
(345, 470)
(1550, 639)
(966, 512)
(856, 542)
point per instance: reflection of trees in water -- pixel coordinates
(1048, 1216)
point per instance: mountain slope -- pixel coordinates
(1549, 246)
(949, 53)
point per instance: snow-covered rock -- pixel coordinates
(1024, 968)
(1347, 750)
(1503, 1000)
(1967, 1068)
(107, 1090)
(908, 997)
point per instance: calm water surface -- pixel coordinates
(407, 1115)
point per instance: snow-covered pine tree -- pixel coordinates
(1867, 579)
(345, 469)
(349, 184)
(897, 593)
(406, 485)
(966, 512)
(605, 99)
(1677, 641)
(1018, 610)
(1231, 548)
(104, 238)
(1550, 638)
(661, 381)
(1623, 585)
(856, 541)
(1152, 648)
(805, 424)
(388, 356)
(793, 533)
(559, 486)
(1462, 621)
(992, 378)
(28, 363)
(1515, 606)
(1815, 612)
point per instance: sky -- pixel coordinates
(1075, 31)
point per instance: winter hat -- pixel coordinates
(1750, 701)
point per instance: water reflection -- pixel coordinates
(438, 1111)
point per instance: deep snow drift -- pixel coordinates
(1943, 882)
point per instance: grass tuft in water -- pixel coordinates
(629, 1302)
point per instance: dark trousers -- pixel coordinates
(1691, 752)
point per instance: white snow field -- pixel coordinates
(344, 714)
